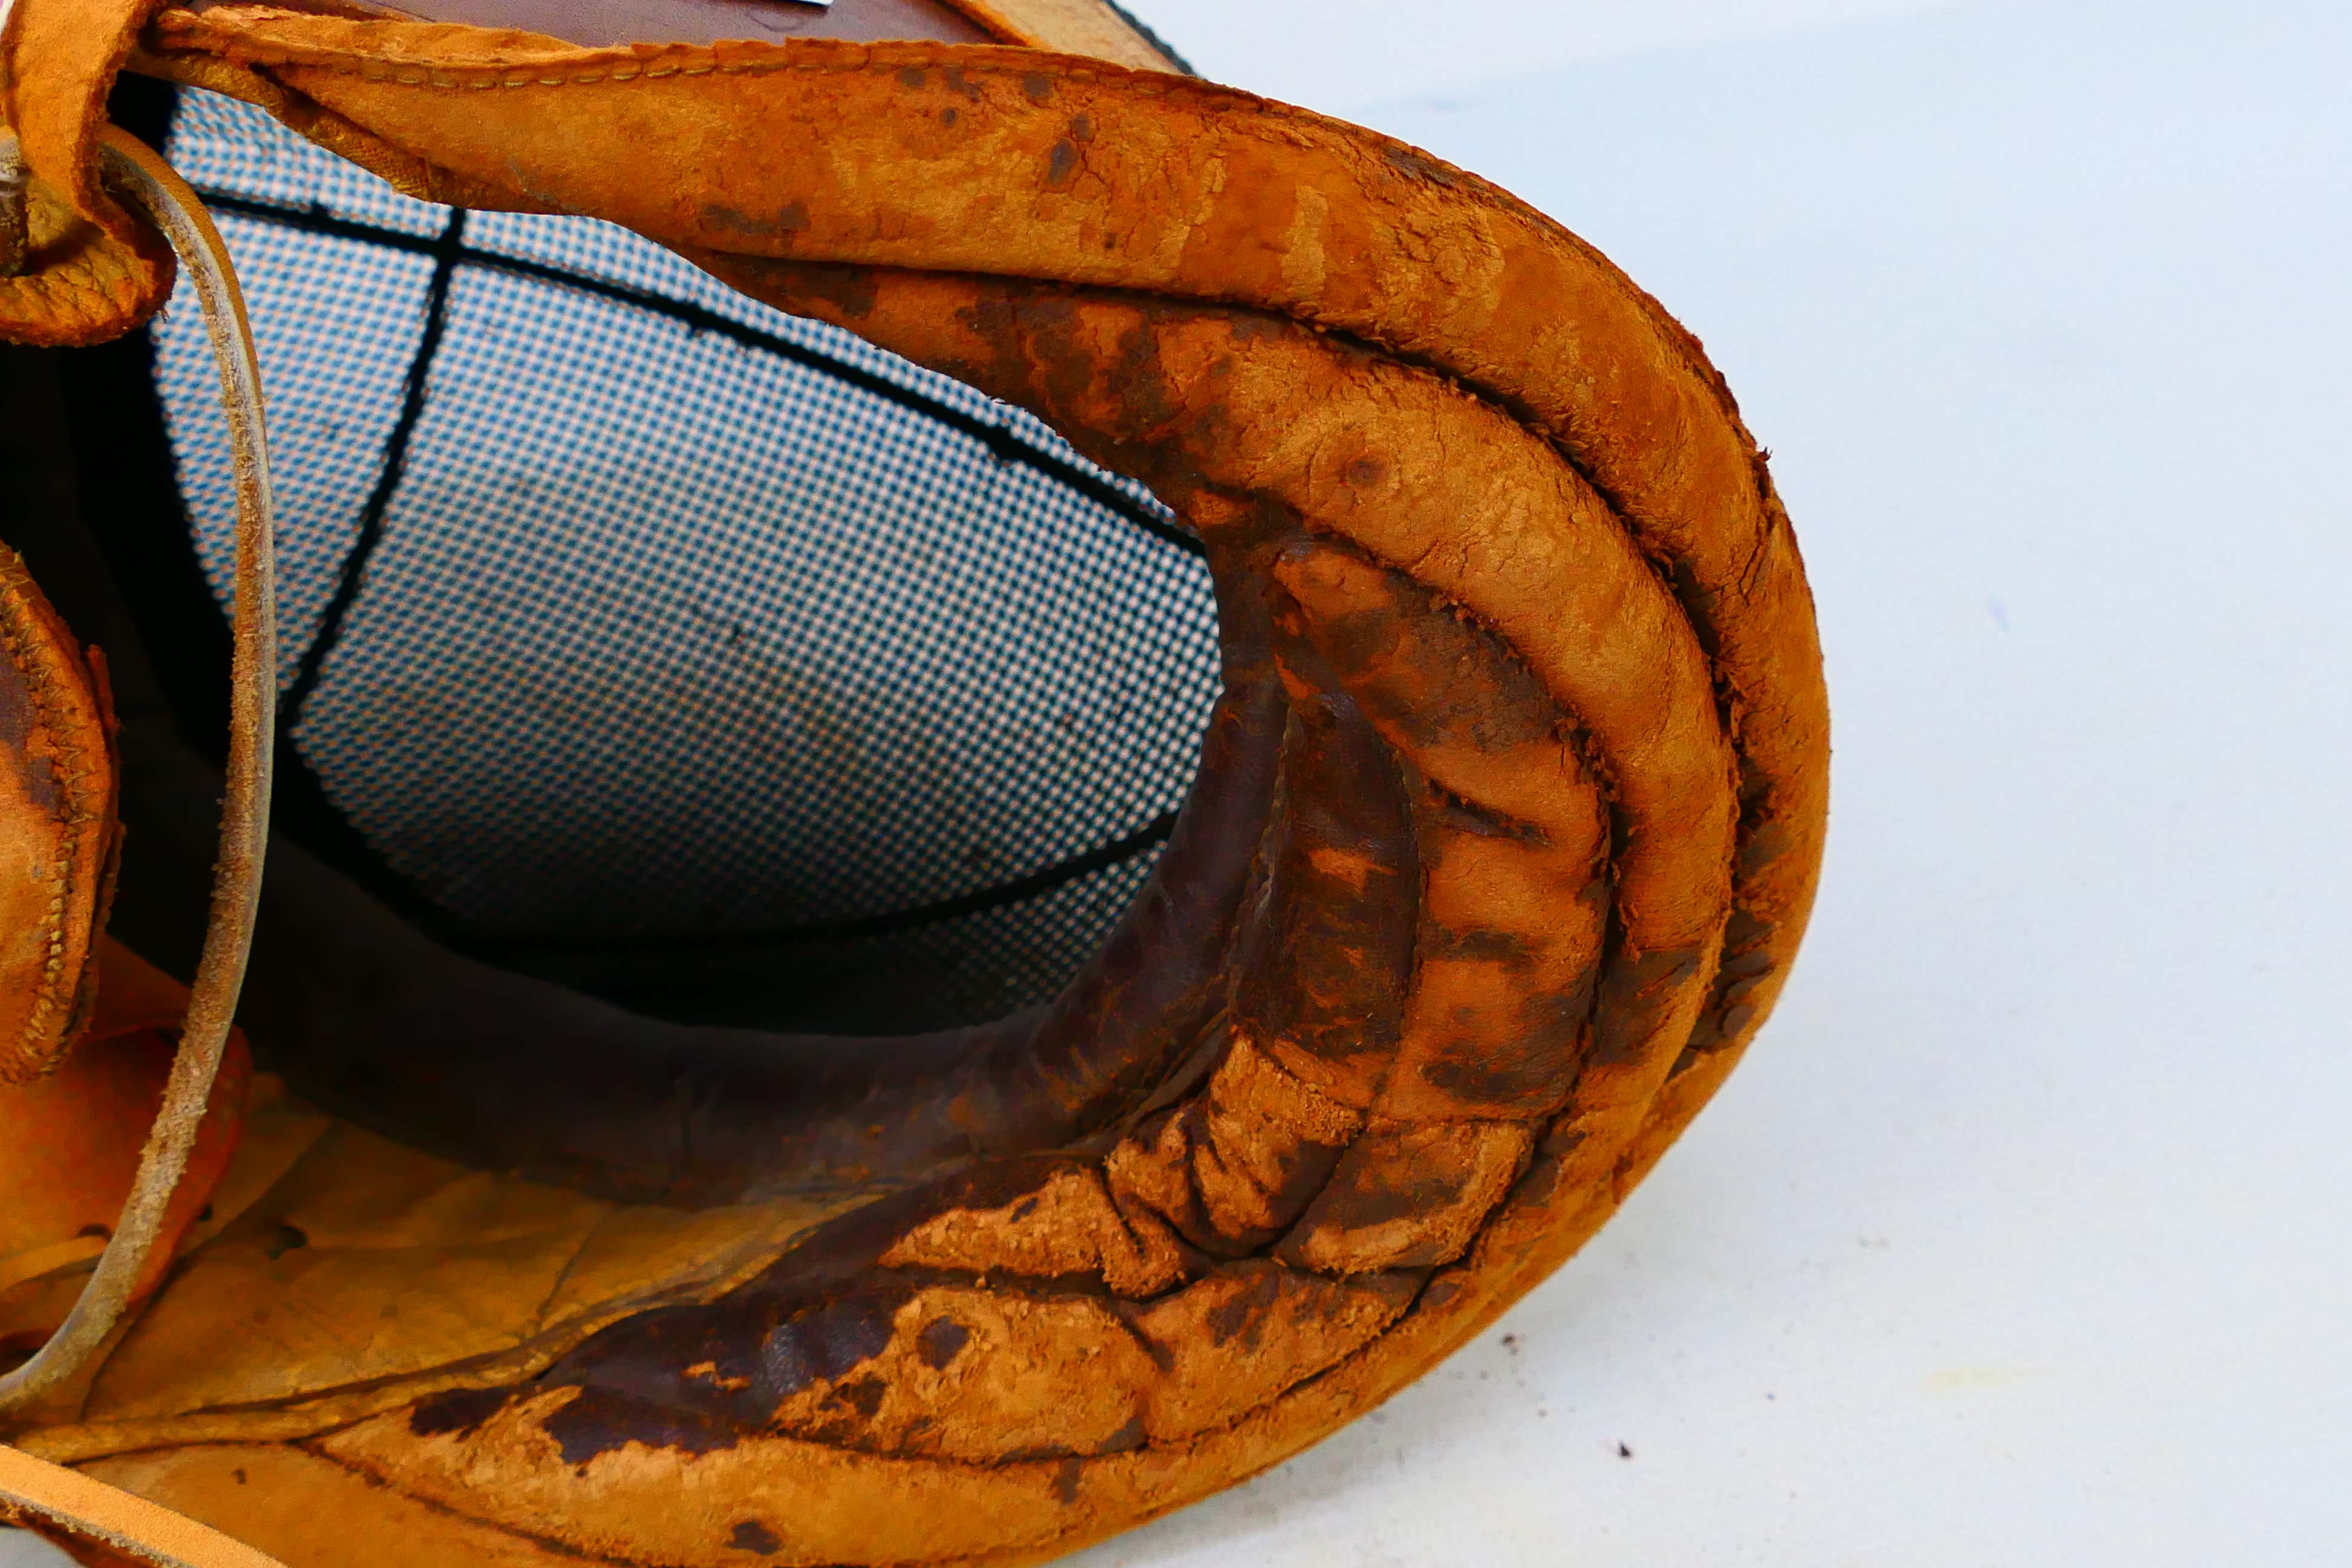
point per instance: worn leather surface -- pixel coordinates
(92, 271)
(57, 828)
(75, 1137)
(1514, 822)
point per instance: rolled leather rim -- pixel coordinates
(1507, 837)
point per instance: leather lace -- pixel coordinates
(137, 175)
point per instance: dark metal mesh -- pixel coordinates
(700, 655)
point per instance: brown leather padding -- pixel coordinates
(57, 828)
(1524, 741)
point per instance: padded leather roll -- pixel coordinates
(1507, 833)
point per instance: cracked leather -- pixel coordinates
(1506, 831)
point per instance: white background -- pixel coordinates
(2022, 1236)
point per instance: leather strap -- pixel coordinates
(141, 177)
(75, 267)
(58, 58)
(55, 1500)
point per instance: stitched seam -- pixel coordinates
(70, 772)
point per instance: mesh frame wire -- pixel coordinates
(702, 657)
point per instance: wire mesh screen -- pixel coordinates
(707, 659)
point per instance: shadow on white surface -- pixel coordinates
(2018, 1239)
